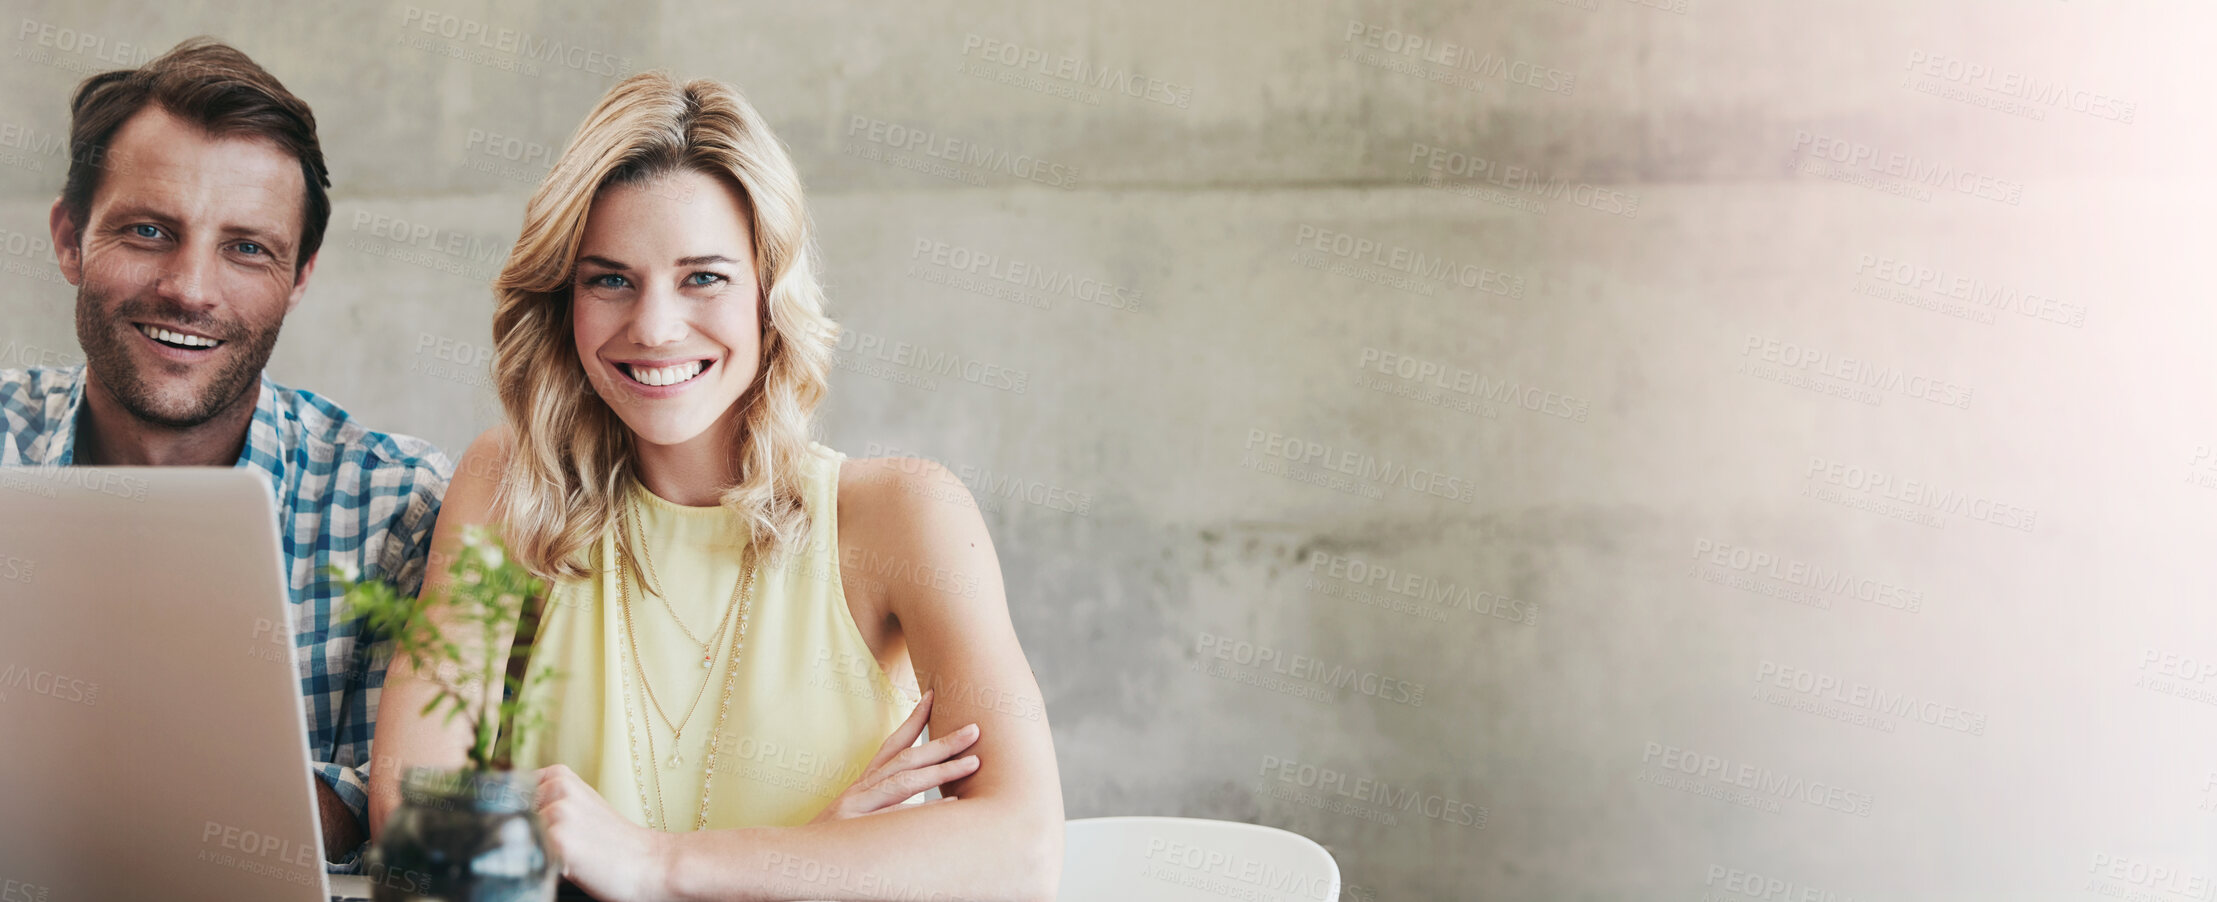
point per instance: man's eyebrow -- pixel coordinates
(601, 261)
(121, 213)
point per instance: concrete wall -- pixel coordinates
(1697, 488)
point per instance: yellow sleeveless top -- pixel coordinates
(809, 704)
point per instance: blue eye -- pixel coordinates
(690, 279)
(250, 247)
(606, 280)
(146, 231)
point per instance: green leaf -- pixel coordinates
(480, 591)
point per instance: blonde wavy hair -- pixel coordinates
(573, 460)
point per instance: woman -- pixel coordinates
(661, 346)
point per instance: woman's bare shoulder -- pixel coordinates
(877, 492)
(469, 497)
(915, 517)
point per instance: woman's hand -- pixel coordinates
(608, 856)
(899, 771)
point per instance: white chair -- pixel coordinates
(1182, 859)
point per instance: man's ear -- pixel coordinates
(300, 284)
(67, 243)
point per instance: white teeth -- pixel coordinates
(161, 334)
(667, 375)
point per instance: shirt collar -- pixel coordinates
(262, 450)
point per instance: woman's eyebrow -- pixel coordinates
(706, 258)
(602, 262)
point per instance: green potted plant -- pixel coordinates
(467, 833)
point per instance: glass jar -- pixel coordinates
(463, 835)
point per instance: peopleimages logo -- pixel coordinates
(69, 40)
(2148, 877)
(990, 484)
(1413, 263)
(1023, 274)
(1824, 687)
(1853, 373)
(1471, 383)
(1216, 871)
(1908, 167)
(864, 347)
(1977, 292)
(1920, 495)
(1078, 71)
(59, 687)
(1762, 780)
(1369, 467)
(1456, 59)
(1360, 572)
(897, 136)
(1742, 884)
(1448, 162)
(1304, 672)
(1375, 792)
(2023, 86)
(2177, 666)
(1830, 581)
(522, 45)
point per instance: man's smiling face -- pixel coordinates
(185, 267)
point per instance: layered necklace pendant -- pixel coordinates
(734, 626)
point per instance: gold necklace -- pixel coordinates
(677, 728)
(659, 815)
(647, 554)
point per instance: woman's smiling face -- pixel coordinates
(665, 304)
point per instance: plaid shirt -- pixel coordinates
(347, 496)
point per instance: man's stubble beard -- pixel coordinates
(101, 333)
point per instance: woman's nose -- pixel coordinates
(658, 319)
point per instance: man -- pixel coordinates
(189, 224)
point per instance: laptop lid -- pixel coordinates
(151, 725)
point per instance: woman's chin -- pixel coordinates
(667, 429)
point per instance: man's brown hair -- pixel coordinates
(209, 84)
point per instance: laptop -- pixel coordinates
(151, 724)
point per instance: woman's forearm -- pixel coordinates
(958, 849)
(406, 738)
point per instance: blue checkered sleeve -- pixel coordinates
(376, 502)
